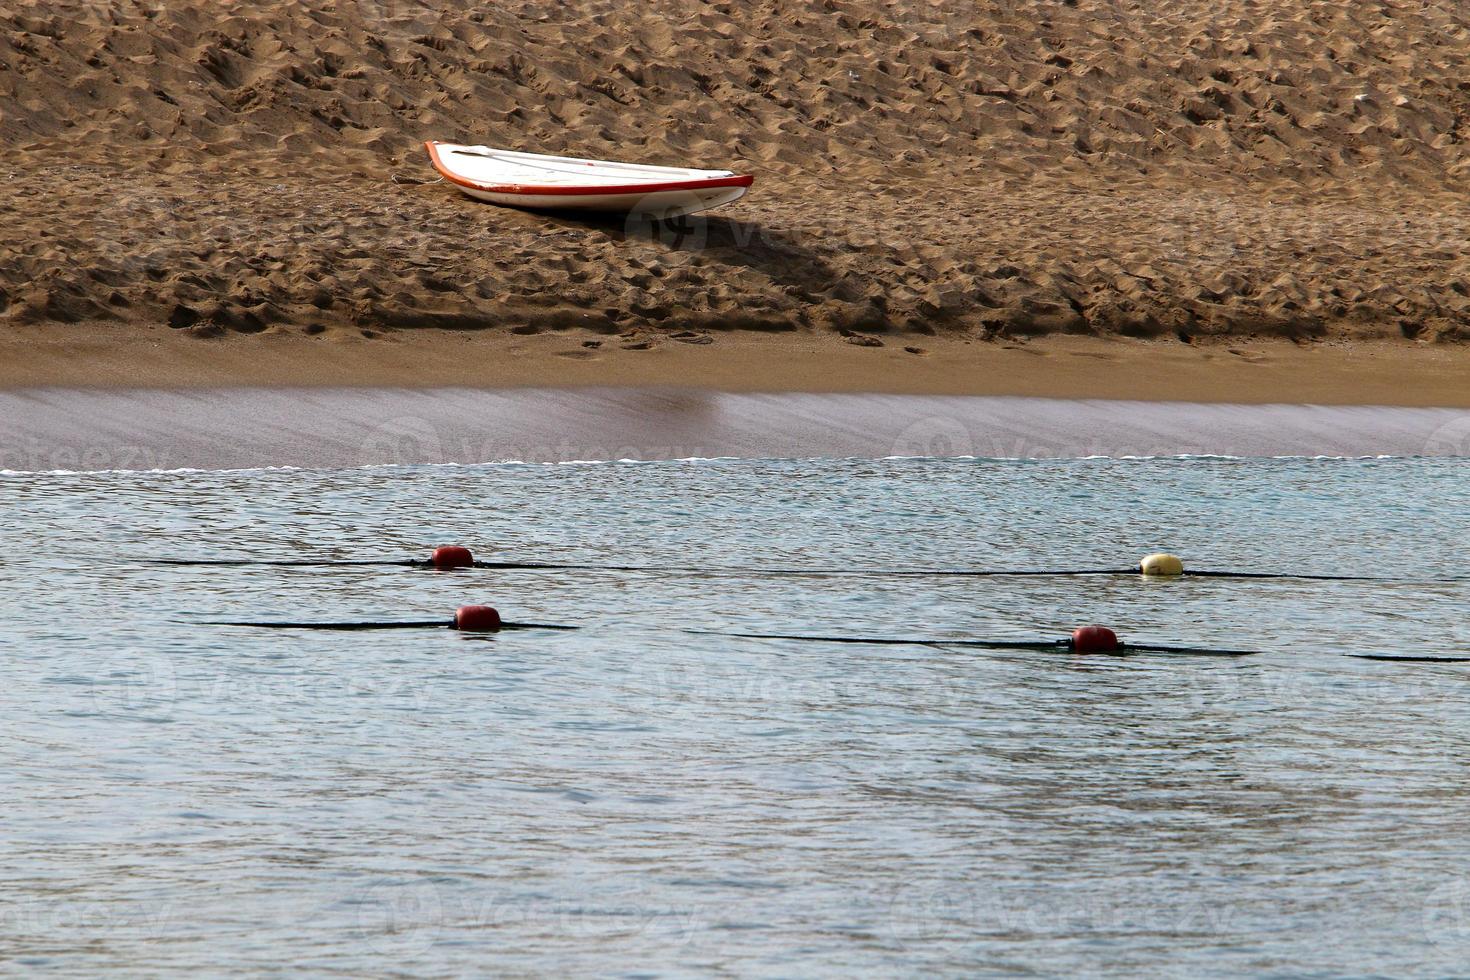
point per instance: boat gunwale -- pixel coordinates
(584, 190)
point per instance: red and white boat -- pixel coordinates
(533, 180)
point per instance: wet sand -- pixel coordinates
(1248, 371)
(69, 429)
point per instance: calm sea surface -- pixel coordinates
(630, 799)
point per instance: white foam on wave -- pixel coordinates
(246, 470)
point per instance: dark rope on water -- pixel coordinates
(1409, 658)
(1320, 578)
(1059, 646)
(418, 624)
(283, 562)
(890, 641)
(1053, 646)
(898, 572)
(395, 625)
(747, 572)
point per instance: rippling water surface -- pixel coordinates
(632, 799)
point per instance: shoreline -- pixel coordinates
(109, 397)
(87, 430)
(1244, 371)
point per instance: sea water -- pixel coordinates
(635, 799)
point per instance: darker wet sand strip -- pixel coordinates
(48, 429)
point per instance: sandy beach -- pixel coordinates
(1183, 173)
(1250, 204)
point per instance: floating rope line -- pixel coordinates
(287, 562)
(1084, 640)
(1296, 575)
(1072, 644)
(393, 625)
(892, 572)
(485, 619)
(478, 619)
(1409, 658)
(456, 562)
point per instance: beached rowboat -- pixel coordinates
(533, 180)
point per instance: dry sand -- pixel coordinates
(1251, 168)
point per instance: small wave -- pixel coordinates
(687, 460)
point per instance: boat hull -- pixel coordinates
(546, 183)
(653, 206)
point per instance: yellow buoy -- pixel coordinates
(1161, 563)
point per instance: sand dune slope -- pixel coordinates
(1000, 168)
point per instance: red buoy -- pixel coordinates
(452, 556)
(478, 619)
(1094, 639)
